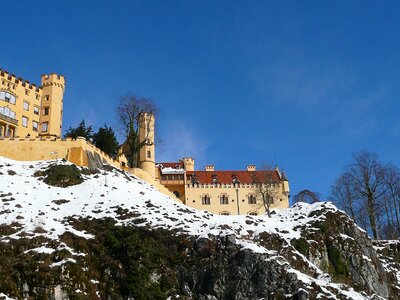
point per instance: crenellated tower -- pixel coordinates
(146, 135)
(51, 114)
(188, 163)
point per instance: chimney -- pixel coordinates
(210, 168)
(251, 168)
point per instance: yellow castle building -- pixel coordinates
(30, 110)
(228, 192)
(30, 129)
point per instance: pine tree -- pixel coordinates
(106, 140)
(81, 130)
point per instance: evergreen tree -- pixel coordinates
(106, 140)
(81, 130)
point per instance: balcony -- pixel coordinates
(8, 119)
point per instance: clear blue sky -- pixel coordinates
(301, 84)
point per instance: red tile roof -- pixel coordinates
(225, 177)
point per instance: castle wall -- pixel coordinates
(79, 152)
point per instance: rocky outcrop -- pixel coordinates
(122, 262)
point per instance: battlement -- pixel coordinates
(12, 78)
(53, 79)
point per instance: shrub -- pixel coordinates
(61, 175)
(300, 245)
(335, 259)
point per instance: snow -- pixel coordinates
(41, 249)
(170, 170)
(60, 263)
(5, 297)
(32, 204)
(35, 206)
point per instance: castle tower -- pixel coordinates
(286, 189)
(53, 86)
(188, 163)
(147, 152)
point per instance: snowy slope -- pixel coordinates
(36, 205)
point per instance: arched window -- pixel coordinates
(224, 213)
(223, 199)
(252, 213)
(205, 200)
(176, 193)
(252, 199)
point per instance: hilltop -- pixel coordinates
(106, 233)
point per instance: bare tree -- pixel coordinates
(266, 188)
(342, 194)
(130, 112)
(307, 196)
(392, 197)
(360, 189)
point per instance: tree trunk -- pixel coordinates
(372, 217)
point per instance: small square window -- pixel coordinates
(36, 110)
(47, 97)
(26, 105)
(27, 92)
(46, 111)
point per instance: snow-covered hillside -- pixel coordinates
(41, 211)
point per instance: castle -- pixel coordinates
(30, 129)
(30, 110)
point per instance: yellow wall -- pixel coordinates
(193, 198)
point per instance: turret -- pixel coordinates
(285, 183)
(147, 152)
(53, 86)
(188, 163)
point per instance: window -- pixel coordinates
(6, 96)
(252, 199)
(205, 200)
(26, 105)
(47, 97)
(35, 126)
(253, 213)
(27, 92)
(46, 111)
(45, 127)
(7, 112)
(25, 121)
(163, 177)
(148, 154)
(176, 193)
(37, 97)
(225, 213)
(36, 110)
(169, 177)
(223, 199)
